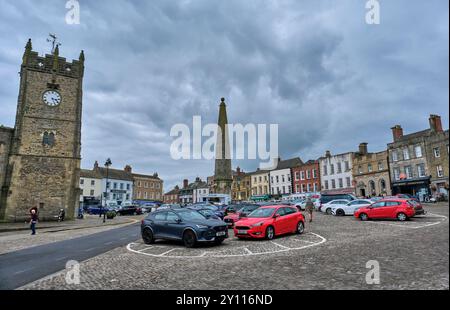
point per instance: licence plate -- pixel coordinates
(221, 233)
(242, 232)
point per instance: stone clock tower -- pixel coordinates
(43, 165)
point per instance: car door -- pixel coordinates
(159, 220)
(281, 222)
(377, 210)
(353, 206)
(173, 227)
(292, 218)
(391, 209)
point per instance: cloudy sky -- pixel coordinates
(314, 67)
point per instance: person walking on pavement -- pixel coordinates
(33, 221)
(309, 207)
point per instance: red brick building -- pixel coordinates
(306, 178)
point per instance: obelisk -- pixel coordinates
(222, 172)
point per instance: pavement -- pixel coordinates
(332, 254)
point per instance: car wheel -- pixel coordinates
(340, 212)
(328, 211)
(147, 236)
(402, 217)
(363, 217)
(270, 233)
(300, 228)
(189, 239)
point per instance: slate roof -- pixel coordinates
(289, 163)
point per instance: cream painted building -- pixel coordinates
(90, 185)
(259, 181)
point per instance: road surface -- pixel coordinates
(27, 265)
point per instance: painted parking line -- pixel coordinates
(230, 250)
(414, 224)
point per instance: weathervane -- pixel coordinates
(52, 39)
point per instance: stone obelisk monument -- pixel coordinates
(222, 172)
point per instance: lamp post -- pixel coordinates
(108, 163)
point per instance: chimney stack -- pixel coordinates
(128, 169)
(327, 154)
(397, 132)
(435, 123)
(96, 165)
(238, 170)
(363, 148)
(185, 183)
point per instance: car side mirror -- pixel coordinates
(276, 216)
(178, 220)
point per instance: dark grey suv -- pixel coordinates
(186, 225)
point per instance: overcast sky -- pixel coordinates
(314, 67)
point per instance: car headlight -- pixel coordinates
(201, 226)
(257, 224)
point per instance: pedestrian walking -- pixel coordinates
(33, 221)
(309, 207)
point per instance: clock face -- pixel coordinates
(51, 98)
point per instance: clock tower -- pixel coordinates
(43, 167)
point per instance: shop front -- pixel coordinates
(418, 187)
(260, 197)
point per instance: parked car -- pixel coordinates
(168, 206)
(350, 207)
(302, 205)
(97, 210)
(129, 210)
(327, 207)
(395, 208)
(232, 209)
(244, 211)
(209, 214)
(185, 225)
(406, 196)
(326, 198)
(217, 210)
(270, 221)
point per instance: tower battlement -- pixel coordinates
(52, 63)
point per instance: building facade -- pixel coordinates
(172, 196)
(260, 185)
(90, 186)
(415, 159)
(146, 188)
(187, 192)
(281, 177)
(336, 173)
(371, 173)
(437, 153)
(43, 165)
(200, 190)
(306, 178)
(240, 187)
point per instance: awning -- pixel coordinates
(260, 197)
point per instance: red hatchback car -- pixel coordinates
(270, 221)
(395, 208)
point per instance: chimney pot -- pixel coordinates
(363, 148)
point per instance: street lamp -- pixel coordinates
(108, 163)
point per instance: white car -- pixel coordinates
(327, 207)
(302, 204)
(351, 207)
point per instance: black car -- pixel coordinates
(129, 210)
(185, 225)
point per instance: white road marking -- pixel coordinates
(61, 258)
(248, 251)
(167, 252)
(280, 245)
(22, 271)
(108, 243)
(88, 250)
(213, 254)
(410, 225)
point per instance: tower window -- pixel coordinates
(48, 139)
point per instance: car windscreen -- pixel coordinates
(262, 212)
(190, 215)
